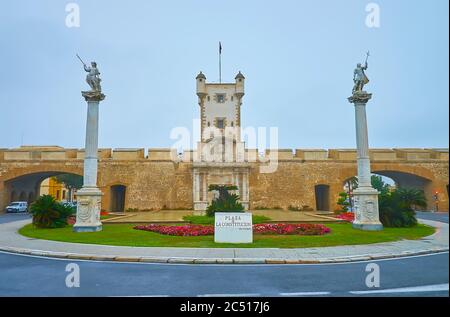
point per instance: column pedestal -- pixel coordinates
(88, 210)
(366, 209)
(89, 197)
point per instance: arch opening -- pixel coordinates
(118, 195)
(392, 180)
(29, 187)
(322, 195)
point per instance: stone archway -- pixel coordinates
(407, 179)
(24, 185)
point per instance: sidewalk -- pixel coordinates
(12, 241)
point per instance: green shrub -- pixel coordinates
(396, 207)
(48, 213)
(343, 201)
(226, 202)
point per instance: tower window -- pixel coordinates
(220, 98)
(220, 123)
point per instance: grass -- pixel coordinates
(205, 220)
(125, 235)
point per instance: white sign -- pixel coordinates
(233, 227)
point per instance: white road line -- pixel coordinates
(305, 294)
(229, 295)
(426, 288)
(141, 296)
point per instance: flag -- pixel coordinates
(220, 48)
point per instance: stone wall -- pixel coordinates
(160, 179)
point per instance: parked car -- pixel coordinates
(17, 206)
(72, 204)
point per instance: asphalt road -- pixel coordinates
(34, 276)
(436, 216)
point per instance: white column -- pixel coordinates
(196, 186)
(89, 196)
(91, 148)
(245, 186)
(205, 187)
(366, 197)
(362, 145)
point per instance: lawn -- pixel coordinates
(125, 235)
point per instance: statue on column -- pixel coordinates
(92, 78)
(359, 76)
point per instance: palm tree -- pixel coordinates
(410, 197)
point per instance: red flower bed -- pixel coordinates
(347, 216)
(185, 231)
(303, 229)
(104, 213)
(198, 230)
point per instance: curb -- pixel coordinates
(180, 260)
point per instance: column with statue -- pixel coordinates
(89, 196)
(365, 196)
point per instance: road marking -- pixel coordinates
(141, 296)
(426, 288)
(305, 294)
(229, 295)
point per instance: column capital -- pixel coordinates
(93, 95)
(360, 97)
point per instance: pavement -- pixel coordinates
(176, 216)
(11, 241)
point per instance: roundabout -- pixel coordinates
(418, 275)
(12, 241)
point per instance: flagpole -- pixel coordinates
(220, 62)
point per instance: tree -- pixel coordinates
(225, 202)
(411, 197)
(343, 201)
(379, 184)
(48, 213)
(396, 207)
(70, 181)
(376, 181)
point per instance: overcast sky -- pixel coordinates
(297, 56)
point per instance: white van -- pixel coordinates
(17, 206)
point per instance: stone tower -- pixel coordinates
(220, 158)
(220, 103)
